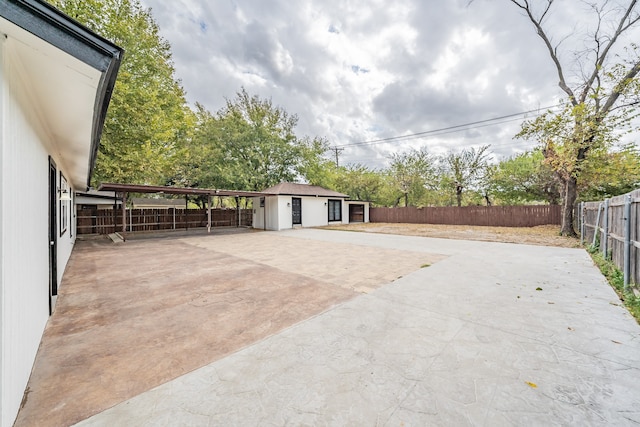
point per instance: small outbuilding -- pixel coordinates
(94, 199)
(289, 205)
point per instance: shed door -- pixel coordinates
(296, 210)
(356, 213)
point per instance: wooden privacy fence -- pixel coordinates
(105, 221)
(497, 216)
(614, 224)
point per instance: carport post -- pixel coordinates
(209, 213)
(186, 211)
(124, 214)
(238, 207)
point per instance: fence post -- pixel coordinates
(596, 229)
(605, 229)
(581, 223)
(627, 242)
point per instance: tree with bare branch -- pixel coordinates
(602, 96)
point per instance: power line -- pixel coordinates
(450, 129)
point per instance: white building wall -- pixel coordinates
(284, 218)
(315, 211)
(345, 212)
(271, 207)
(24, 239)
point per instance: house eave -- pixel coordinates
(62, 32)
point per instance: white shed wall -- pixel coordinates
(285, 220)
(315, 211)
(345, 218)
(25, 145)
(271, 206)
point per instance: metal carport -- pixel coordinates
(124, 189)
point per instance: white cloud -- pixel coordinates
(363, 70)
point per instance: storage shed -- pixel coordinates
(289, 205)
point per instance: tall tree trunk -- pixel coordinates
(459, 194)
(568, 201)
(406, 199)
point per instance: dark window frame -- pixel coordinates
(64, 207)
(331, 212)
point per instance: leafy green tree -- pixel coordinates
(466, 170)
(525, 178)
(148, 117)
(250, 144)
(599, 99)
(610, 174)
(360, 182)
(411, 174)
(317, 169)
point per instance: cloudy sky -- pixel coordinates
(358, 71)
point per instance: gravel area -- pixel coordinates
(543, 235)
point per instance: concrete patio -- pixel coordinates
(318, 327)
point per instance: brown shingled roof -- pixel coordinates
(292, 189)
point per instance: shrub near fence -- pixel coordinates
(615, 225)
(496, 216)
(105, 221)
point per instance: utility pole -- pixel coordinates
(337, 151)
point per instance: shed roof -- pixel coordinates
(293, 189)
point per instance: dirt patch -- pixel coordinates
(542, 235)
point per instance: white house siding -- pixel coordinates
(315, 211)
(24, 255)
(285, 220)
(345, 217)
(271, 206)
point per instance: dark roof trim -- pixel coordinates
(68, 35)
(134, 188)
(329, 196)
(95, 196)
(295, 189)
(61, 31)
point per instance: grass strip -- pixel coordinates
(615, 278)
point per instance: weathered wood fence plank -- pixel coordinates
(105, 221)
(496, 216)
(614, 224)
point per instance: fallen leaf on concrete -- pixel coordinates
(570, 328)
(617, 342)
(538, 288)
(532, 385)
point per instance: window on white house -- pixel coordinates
(335, 210)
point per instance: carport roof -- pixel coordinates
(135, 188)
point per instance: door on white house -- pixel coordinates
(296, 210)
(53, 235)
